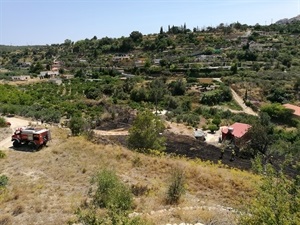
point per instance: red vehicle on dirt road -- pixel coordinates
(34, 137)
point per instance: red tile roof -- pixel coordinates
(293, 107)
(239, 129)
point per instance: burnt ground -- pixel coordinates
(183, 145)
(189, 147)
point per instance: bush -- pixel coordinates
(212, 128)
(216, 121)
(76, 125)
(3, 181)
(214, 97)
(277, 201)
(145, 133)
(111, 193)
(2, 122)
(176, 187)
(278, 112)
(191, 119)
(177, 87)
(2, 154)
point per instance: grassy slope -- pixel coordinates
(46, 187)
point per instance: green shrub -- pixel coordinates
(216, 121)
(2, 154)
(191, 119)
(278, 112)
(2, 122)
(145, 133)
(176, 187)
(277, 201)
(212, 128)
(256, 165)
(76, 125)
(111, 193)
(3, 181)
(192, 80)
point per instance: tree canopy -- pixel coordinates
(145, 133)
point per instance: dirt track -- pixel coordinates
(240, 101)
(15, 123)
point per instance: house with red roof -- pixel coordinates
(236, 132)
(296, 109)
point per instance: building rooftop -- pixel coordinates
(239, 129)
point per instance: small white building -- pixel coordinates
(49, 74)
(20, 78)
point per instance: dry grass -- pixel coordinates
(205, 80)
(5, 219)
(46, 187)
(19, 209)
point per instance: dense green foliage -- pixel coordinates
(278, 112)
(216, 96)
(76, 125)
(111, 193)
(145, 133)
(47, 101)
(278, 201)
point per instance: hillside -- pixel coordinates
(46, 187)
(161, 90)
(286, 20)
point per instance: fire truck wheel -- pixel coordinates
(32, 146)
(16, 143)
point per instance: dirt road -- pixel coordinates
(114, 132)
(240, 101)
(15, 123)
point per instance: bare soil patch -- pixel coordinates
(205, 80)
(5, 132)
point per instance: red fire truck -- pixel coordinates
(35, 137)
